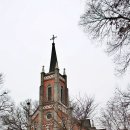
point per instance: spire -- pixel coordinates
(43, 69)
(53, 56)
(64, 73)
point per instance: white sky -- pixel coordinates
(26, 27)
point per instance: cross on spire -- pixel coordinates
(53, 38)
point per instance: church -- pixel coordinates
(54, 111)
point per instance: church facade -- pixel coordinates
(54, 112)
(53, 98)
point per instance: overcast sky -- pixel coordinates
(26, 27)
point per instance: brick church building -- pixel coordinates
(54, 112)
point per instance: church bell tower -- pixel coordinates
(53, 97)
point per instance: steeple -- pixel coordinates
(53, 92)
(53, 61)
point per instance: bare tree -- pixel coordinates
(109, 20)
(83, 111)
(18, 118)
(5, 101)
(83, 107)
(116, 115)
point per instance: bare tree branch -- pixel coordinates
(17, 118)
(116, 115)
(83, 109)
(109, 20)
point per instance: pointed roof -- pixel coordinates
(53, 61)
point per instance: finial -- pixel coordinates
(53, 38)
(64, 73)
(92, 123)
(56, 67)
(43, 69)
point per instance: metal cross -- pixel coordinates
(53, 38)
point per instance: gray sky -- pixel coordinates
(26, 27)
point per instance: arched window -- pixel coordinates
(49, 93)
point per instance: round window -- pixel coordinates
(49, 115)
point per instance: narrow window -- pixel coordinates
(49, 94)
(61, 94)
(35, 126)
